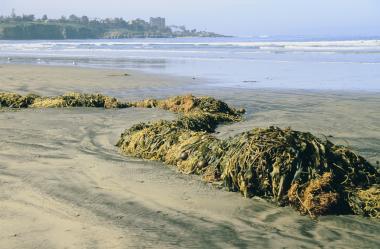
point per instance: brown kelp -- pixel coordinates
(14, 100)
(73, 99)
(78, 100)
(192, 104)
(196, 113)
(286, 166)
(289, 167)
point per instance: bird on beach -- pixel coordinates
(9, 59)
(74, 63)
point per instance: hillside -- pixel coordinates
(27, 27)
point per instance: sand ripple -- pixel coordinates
(64, 185)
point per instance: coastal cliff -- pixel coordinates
(27, 27)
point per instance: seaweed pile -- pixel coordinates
(13, 100)
(288, 167)
(196, 113)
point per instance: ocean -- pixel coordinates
(339, 65)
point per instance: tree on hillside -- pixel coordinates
(28, 18)
(84, 19)
(74, 18)
(62, 19)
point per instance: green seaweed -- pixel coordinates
(14, 100)
(289, 167)
(73, 99)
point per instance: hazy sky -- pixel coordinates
(236, 17)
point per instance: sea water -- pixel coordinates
(348, 65)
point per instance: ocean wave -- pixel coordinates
(359, 45)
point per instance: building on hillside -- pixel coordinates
(157, 22)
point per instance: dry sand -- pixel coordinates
(63, 183)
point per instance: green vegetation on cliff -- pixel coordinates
(27, 27)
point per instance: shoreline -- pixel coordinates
(62, 175)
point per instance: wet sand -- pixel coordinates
(63, 183)
(54, 80)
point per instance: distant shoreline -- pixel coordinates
(121, 38)
(27, 27)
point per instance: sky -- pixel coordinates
(232, 17)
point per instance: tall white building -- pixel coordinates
(158, 22)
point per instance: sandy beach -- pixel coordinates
(63, 183)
